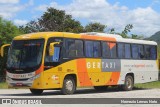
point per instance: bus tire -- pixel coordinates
(36, 91)
(100, 88)
(129, 83)
(69, 85)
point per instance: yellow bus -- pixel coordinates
(65, 61)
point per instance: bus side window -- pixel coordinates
(113, 49)
(105, 50)
(55, 57)
(120, 50)
(135, 51)
(71, 51)
(74, 48)
(97, 49)
(147, 51)
(127, 51)
(79, 48)
(141, 51)
(153, 52)
(89, 48)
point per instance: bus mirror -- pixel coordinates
(51, 48)
(2, 49)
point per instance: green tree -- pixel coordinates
(30, 27)
(134, 36)
(95, 27)
(112, 31)
(126, 30)
(7, 31)
(53, 20)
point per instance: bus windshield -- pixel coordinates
(25, 53)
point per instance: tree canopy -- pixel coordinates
(95, 27)
(53, 20)
(7, 31)
(127, 30)
(58, 20)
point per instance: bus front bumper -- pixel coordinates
(19, 84)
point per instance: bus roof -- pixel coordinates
(88, 35)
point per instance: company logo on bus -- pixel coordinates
(21, 76)
(105, 65)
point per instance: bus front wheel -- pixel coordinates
(36, 91)
(69, 85)
(128, 85)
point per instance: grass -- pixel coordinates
(155, 84)
(3, 85)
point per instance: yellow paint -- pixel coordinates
(87, 70)
(54, 77)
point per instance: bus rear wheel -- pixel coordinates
(69, 85)
(36, 91)
(100, 88)
(128, 85)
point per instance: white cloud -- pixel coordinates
(145, 20)
(9, 1)
(20, 22)
(29, 3)
(7, 11)
(44, 6)
(41, 7)
(8, 8)
(155, 2)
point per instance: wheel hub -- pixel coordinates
(69, 85)
(129, 83)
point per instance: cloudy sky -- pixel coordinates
(143, 14)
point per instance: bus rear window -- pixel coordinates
(150, 52)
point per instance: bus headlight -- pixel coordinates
(37, 76)
(34, 77)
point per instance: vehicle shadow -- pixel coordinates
(78, 91)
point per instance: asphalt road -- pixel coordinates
(85, 93)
